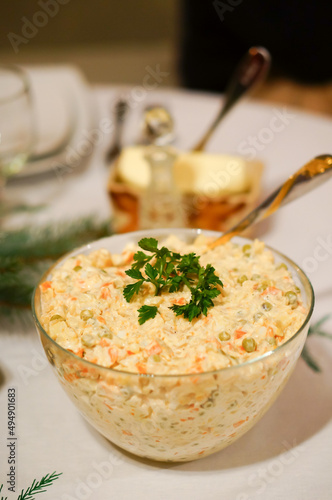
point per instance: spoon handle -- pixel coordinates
(308, 177)
(250, 71)
(120, 112)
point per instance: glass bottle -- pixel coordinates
(161, 204)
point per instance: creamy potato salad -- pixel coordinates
(259, 307)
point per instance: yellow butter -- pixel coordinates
(194, 172)
(211, 174)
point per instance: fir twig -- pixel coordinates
(315, 330)
(38, 486)
(10, 210)
(51, 241)
(306, 356)
(28, 252)
(2, 498)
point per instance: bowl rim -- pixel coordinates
(164, 232)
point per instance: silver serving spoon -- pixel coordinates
(308, 177)
(157, 126)
(251, 71)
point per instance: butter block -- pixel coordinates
(194, 173)
(217, 190)
(132, 168)
(211, 175)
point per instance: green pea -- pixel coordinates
(257, 316)
(86, 314)
(77, 268)
(272, 340)
(88, 340)
(249, 344)
(208, 404)
(156, 358)
(267, 306)
(263, 285)
(246, 248)
(291, 298)
(297, 289)
(107, 334)
(282, 266)
(242, 279)
(57, 317)
(224, 336)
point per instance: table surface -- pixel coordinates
(287, 455)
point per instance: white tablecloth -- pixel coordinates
(287, 455)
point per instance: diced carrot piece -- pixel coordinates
(120, 272)
(240, 422)
(113, 353)
(269, 331)
(101, 319)
(239, 334)
(105, 293)
(271, 290)
(104, 343)
(154, 348)
(180, 301)
(69, 377)
(46, 285)
(141, 367)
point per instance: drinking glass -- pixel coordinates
(16, 122)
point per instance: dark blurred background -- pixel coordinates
(111, 41)
(197, 42)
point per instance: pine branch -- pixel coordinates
(315, 330)
(2, 498)
(51, 241)
(25, 254)
(306, 356)
(38, 486)
(10, 210)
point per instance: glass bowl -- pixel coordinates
(174, 417)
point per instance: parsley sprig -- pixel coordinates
(171, 271)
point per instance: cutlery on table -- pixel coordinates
(120, 113)
(158, 126)
(249, 73)
(308, 177)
